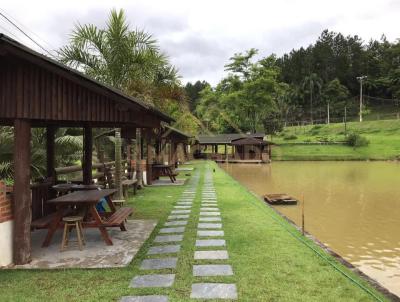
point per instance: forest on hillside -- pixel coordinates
(314, 84)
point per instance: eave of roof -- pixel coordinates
(6, 39)
(226, 138)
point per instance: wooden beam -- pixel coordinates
(50, 152)
(87, 155)
(22, 193)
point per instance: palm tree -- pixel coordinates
(310, 83)
(114, 55)
(68, 150)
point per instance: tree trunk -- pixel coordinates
(311, 106)
(328, 115)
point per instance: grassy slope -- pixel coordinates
(384, 137)
(269, 264)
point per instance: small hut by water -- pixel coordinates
(237, 148)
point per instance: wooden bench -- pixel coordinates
(44, 222)
(117, 219)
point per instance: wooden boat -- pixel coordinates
(280, 199)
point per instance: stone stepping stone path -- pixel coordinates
(167, 242)
(163, 254)
(209, 226)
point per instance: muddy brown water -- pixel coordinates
(352, 207)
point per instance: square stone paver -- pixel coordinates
(214, 291)
(173, 217)
(169, 238)
(209, 219)
(184, 203)
(210, 213)
(161, 263)
(212, 270)
(210, 242)
(182, 207)
(180, 211)
(172, 230)
(202, 225)
(165, 280)
(209, 209)
(174, 223)
(164, 249)
(144, 299)
(210, 233)
(211, 255)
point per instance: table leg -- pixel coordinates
(110, 204)
(171, 177)
(53, 227)
(102, 229)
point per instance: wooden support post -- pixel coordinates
(50, 152)
(149, 163)
(139, 152)
(173, 154)
(22, 193)
(118, 165)
(87, 155)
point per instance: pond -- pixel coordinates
(352, 207)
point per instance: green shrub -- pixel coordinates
(356, 140)
(289, 137)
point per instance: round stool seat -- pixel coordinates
(72, 218)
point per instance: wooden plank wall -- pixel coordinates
(32, 92)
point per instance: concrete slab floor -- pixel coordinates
(95, 254)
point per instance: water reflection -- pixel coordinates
(353, 207)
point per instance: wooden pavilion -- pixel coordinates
(244, 148)
(36, 91)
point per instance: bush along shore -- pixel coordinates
(369, 140)
(268, 260)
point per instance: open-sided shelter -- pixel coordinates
(36, 91)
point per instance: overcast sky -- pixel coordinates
(201, 36)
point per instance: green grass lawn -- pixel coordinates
(384, 138)
(269, 263)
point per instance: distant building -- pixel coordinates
(237, 148)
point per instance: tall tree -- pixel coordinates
(312, 85)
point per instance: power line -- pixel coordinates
(28, 30)
(25, 34)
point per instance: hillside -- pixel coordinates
(322, 142)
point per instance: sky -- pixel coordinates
(200, 36)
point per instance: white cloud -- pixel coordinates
(200, 36)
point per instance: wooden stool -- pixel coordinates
(71, 222)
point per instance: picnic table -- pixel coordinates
(164, 170)
(86, 201)
(65, 188)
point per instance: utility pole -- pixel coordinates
(361, 78)
(345, 120)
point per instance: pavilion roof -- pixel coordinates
(16, 49)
